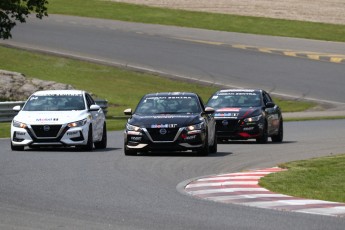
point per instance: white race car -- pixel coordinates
(59, 118)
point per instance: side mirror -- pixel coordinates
(94, 108)
(209, 110)
(16, 108)
(270, 105)
(128, 112)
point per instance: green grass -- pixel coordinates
(314, 118)
(293, 105)
(319, 178)
(212, 21)
(122, 88)
(5, 128)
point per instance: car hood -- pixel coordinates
(165, 120)
(237, 113)
(50, 117)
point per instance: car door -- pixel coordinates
(272, 113)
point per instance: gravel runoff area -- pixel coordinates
(327, 11)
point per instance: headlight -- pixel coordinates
(252, 119)
(132, 128)
(196, 127)
(19, 124)
(77, 123)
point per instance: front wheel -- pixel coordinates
(264, 136)
(213, 147)
(103, 143)
(16, 148)
(89, 144)
(279, 136)
(129, 152)
(205, 150)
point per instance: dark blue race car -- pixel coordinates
(172, 121)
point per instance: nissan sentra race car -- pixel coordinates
(170, 122)
(59, 118)
(243, 114)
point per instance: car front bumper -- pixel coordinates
(175, 140)
(238, 130)
(62, 135)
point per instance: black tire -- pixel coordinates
(213, 147)
(264, 137)
(16, 148)
(279, 137)
(103, 143)
(89, 144)
(205, 150)
(129, 152)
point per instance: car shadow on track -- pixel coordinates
(72, 149)
(232, 142)
(182, 154)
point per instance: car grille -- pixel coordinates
(232, 125)
(46, 131)
(160, 135)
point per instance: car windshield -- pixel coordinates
(55, 103)
(235, 99)
(168, 105)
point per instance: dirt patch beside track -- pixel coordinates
(327, 11)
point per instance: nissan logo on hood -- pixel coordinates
(163, 131)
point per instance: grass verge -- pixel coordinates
(5, 128)
(314, 118)
(122, 88)
(319, 178)
(211, 21)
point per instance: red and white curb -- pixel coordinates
(243, 188)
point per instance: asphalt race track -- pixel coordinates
(65, 189)
(68, 189)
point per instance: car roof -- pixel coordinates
(61, 92)
(162, 94)
(240, 91)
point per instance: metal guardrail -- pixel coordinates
(103, 104)
(6, 110)
(7, 113)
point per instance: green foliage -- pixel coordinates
(212, 21)
(18, 10)
(319, 178)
